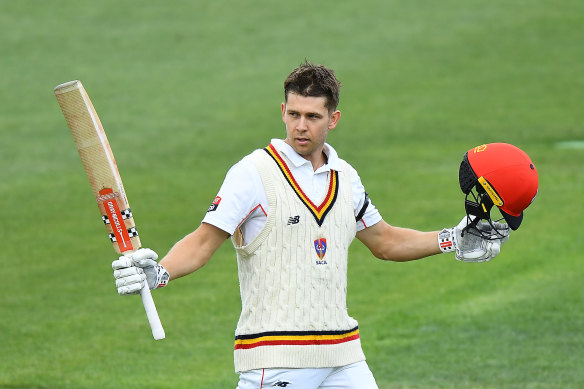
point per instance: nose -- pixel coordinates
(302, 124)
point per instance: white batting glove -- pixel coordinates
(133, 270)
(495, 230)
(480, 243)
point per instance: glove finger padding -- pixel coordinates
(503, 231)
(144, 258)
(127, 272)
(122, 262)
(494, 230)
(140, 258)
(489, 250)
(130, 289)
(131, 279)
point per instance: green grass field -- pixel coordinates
(187, 88)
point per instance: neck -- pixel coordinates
(318, 161)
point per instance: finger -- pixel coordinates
(502, 229)
(497, 230)
(134, 279)
(130, 289)
(127, 272)
(495, 248)
(474, 254)
(142, 254)
(500, 226)
(484, 226)
(122, 262)
(488, 250)
(144, 262)
(465, 258)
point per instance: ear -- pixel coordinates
(283, 108)
(335, 117)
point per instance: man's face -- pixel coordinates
(308, 122)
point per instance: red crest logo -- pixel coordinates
(320, 247)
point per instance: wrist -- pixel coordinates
(447, 240)
(162, 276)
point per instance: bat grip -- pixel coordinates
(151, 313)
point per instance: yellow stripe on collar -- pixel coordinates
(319, 212)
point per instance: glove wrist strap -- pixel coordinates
(447, 240)
(162, 276)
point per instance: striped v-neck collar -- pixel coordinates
(318, 211)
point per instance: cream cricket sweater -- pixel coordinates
(293, 276)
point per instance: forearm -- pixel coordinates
(399, 244)
(407, 245)
(182, 259)
(193, 251)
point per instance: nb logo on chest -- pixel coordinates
(293, 220)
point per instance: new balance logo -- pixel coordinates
(282, 384)
(294, 220)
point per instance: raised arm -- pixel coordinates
(188, 255)
(193, 251)
(480, 243)
(398, 244)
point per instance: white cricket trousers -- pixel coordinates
(353, 376)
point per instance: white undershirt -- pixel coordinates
(242, 203)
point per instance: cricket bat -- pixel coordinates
(108, 189)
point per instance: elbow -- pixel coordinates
(394, 253)
(387, 255)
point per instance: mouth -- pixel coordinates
(302, 141)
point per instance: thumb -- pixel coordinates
(474, 254)
(495, 247)
(144, 258)
(122, 262)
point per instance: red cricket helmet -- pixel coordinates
(502, 175)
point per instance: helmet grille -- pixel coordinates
(466, 176)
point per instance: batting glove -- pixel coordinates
(132, 270)
(478, 243)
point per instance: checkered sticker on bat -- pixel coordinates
(126, 214)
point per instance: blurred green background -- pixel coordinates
(187, 88)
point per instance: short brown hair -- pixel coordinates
(314, 81)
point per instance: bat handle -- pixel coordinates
(151, 313)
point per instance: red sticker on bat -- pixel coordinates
(112, 209)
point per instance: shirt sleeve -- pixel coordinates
(237, 197)
(366, 214)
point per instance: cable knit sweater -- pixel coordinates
(293, 276)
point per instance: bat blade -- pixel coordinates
(100, 165)
(105, 180)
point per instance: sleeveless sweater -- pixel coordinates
(293, 275)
